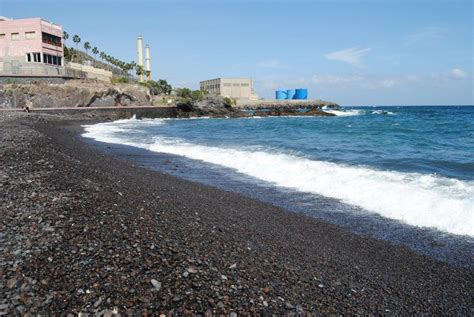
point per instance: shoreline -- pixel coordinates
(445, 247)
(124, 238)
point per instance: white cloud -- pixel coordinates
(272, 63)
(352, 56)
(426, 33)
(388, 83)
(458, 73)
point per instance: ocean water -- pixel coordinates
(408, 166)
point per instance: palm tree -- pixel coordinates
(70, 53)
(87, 47)
(95, 51)
(76, 39)
(65, 36)
(139, 70)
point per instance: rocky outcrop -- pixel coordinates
(73, 93)
(286, 104)
(214, 106)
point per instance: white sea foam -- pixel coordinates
(416, 199)
(345, 113)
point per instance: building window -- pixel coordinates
(30, 35)
(28, 57)
(15, 36)
(2, 36)
(51, 39)
(244, 85)
(52, 60)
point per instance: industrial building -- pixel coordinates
(236, 88)
(30, 41)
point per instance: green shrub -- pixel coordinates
(120, 80)
(160, 87)
(230, 101)
(193, 95)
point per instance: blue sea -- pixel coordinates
(403, 174)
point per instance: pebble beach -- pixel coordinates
(85, 232)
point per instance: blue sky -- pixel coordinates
(363, 52)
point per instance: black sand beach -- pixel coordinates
(82, 231)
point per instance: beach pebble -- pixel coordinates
(156, 284)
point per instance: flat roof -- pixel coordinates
(2, 18)
(246, 78)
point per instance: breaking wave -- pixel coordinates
(424, 200)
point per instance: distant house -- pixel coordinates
(35, 41)
(35, 48)
(237, 88)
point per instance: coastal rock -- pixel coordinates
(73, 93)
(287, 104)
(214, 106)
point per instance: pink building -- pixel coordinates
(32, 41)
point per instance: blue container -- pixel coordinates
(301, 94)
(290, 94)
(280, 95)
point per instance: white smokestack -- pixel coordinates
(140, 55)
(147, 62)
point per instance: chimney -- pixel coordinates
(147, 62)
(140, 55)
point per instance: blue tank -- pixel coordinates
(280, 95)
(301, 94)
(290, 94)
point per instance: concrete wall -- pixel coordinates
(271, 103)
(11, 67)
(118, 113)
(91, 72)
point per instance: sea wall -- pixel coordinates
(273, 104)
(115, 113)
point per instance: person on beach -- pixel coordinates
(28, 106)
(117, 100)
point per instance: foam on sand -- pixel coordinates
(416, 199)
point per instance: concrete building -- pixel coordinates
(32, 41)
(237, 88)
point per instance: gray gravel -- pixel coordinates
(84, 232)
